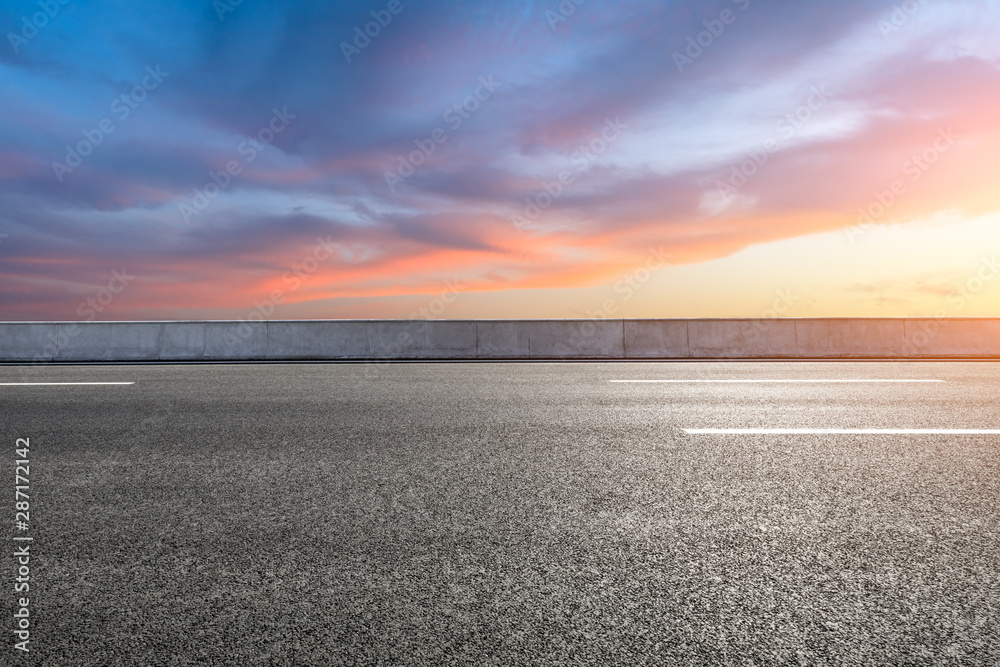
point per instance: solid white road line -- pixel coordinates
(842, 431)
(762, 381)
(50, 384)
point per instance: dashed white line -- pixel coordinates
(53, 384)
(764, 381)
(842, 431)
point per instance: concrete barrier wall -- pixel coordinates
(977, 338)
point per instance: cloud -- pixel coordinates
(324, 175)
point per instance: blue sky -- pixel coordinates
(535, 154)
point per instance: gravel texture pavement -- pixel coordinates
(506, 514)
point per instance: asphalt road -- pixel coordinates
(504, 514)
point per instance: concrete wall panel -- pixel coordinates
(574, 339)
(742, 339)
(422, 339)
(656, 339)
(182, 341)
(839, 338)
(28, 341)
(318, 340)
(231, 341)
(109, 341)
(501, 339)
(929, 338)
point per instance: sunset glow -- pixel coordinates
(733, 158)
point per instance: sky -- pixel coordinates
(237, 159)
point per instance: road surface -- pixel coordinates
(509, 513)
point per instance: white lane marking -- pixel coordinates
(50, 384)
(842, 431)
(764, 381)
